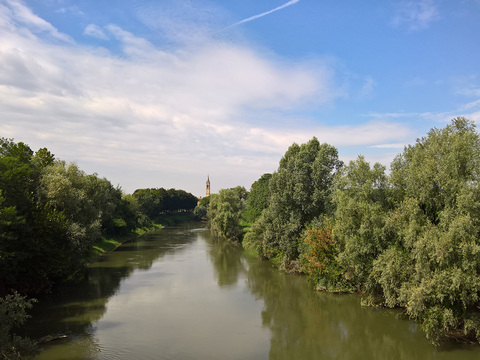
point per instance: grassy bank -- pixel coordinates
(110, 243)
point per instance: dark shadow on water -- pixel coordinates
(73, 307)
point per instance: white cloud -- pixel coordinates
(367, 89)
(17, 14)
(95, 31)
(388, 146)
(153, 117)
(188, 110)
(471, 91)
(415, 14)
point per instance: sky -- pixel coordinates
(163, 93)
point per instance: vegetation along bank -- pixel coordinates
(408, 238)
(54, 219)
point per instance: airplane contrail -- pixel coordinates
(290, 3)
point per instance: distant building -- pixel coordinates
(208, 186)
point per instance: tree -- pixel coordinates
(225, 211)
(318, 256)
(258, 198)
(86, 201)
(124, 219)
(19, 175)
(13, 313)
(201, 209)
(50, 214)
(300, 191)
(439, 167)
(153, 202)
(432, 267)
(362, 202)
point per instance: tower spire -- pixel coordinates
(208, 185)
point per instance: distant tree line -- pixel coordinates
(407, 238)
(153, 202)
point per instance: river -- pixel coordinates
(180, 293)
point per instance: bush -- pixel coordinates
(13, 313)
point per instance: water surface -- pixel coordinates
(180, 293)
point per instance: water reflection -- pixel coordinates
(227, 260)
(182, 293)
(305, 324)
(73, 309)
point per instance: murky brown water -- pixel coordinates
(180, 293)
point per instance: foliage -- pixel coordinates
(318, 256)
(201, 209)
(86, 201)
(155, 201)
(13, 313)
(412, 240)
(258, 198)
(300, 190)
(361, 197)
(432, 267)
(124, 220)
(225, 211)
(253, 239)
(51, 213)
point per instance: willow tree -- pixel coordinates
(362, 200)
(432, 265)
(225, 212)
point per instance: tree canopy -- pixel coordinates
(50, 209)
(300, 191)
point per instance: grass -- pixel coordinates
(106, 244)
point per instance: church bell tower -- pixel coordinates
(208, 185)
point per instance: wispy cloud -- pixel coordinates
(367, 89)
(388, 146)
(251, 18)
(149, 116)
(95, 31)
(470, 110)
(415, 14)
(19, 14)
(186, 111)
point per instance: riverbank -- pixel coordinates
(110, 243)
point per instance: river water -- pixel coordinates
(180, 293)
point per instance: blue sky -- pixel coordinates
(161, 93)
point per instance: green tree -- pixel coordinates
(362, 202)
(153, 202)
(432, 266)
(20, 170)
(258, 198)
(86, 201)
(13, 313)
(300, 191)
(50, 214)
(201, 209)
(124, 219)
(150, 202)
(225, 212)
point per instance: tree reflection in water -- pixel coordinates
(74, 308)
(300, 323)
(306, 324)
